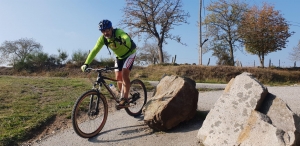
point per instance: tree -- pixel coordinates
(295, 55)
(62, 55)
(17, 51)
(53, 61)
(79, 57)
(57, 60)
(221, 51)
(155, 18)
(148, 54)
(36, 60)
(264, 31)
(222, 25)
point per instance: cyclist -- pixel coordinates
(121, 44)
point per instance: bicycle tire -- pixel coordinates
(86, 121)
(137, 90)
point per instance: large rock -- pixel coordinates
(246, 114)
(175, 101)
(283, 118)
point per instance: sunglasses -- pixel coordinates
(105, 30)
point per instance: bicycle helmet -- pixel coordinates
(104, 24)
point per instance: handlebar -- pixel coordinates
(106, 68)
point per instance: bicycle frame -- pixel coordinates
(101, 81)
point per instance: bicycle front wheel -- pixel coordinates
(137, 98)
(89, 114)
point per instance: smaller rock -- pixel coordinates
(175, 101)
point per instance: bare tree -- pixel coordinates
(148, 54)
(295, 55)
(17, 51)
(264, 31)
(222, 24)
(155, 18)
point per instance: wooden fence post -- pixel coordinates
(174, 60)
(208, 61)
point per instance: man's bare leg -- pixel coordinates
(124, 77)
(126, 81)
(118, 75)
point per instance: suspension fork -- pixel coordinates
(97, 103)
(90, 105)
(96, 106)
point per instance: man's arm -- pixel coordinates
(95, 50)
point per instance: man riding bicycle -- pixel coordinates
(124, 49)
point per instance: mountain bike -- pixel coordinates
(90, 110)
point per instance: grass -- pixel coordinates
(28, 102)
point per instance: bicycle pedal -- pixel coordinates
(118, 107)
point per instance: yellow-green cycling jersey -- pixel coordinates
(120, 50)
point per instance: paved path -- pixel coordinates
(199, 85)
(121, 129)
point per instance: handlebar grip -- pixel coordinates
(88, 70)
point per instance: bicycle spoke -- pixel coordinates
(89, 117)
(138, 98)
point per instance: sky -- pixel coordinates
(72, 25)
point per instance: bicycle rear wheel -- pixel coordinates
(137, 97)
(89, 114)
